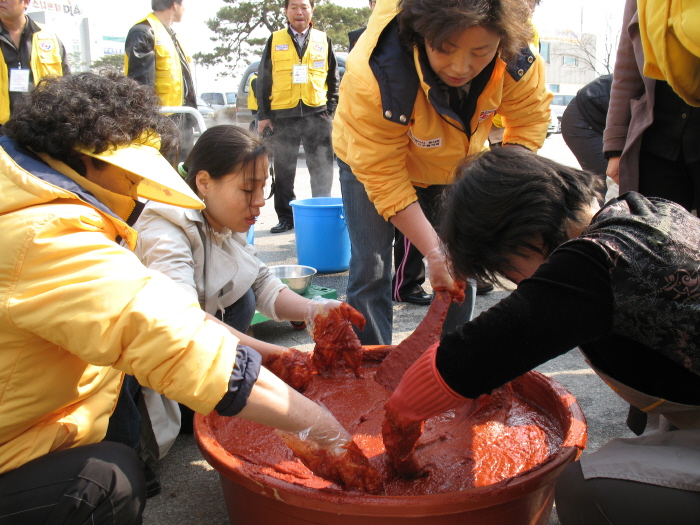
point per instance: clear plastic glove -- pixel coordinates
(330, 322)
(440, 277)
(323, 307)
(328, 450)
(292, 366)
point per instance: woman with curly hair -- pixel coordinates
(80, 310)
(620, 282)
(420, 90)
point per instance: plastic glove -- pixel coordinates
(328, 450)
(330, 322)
(292, 366)
(422, 393)
(323, 307)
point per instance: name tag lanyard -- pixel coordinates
(19, 79)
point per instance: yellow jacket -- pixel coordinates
(670, 34)
(79, 311)
(45, 61)
(168, 70)
(285, 93)
(252, 99)
(390, 152)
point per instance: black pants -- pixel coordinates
(584, 142)
(604, 501)
(675, 180)
(102, 483)
(315, 132)
(409, 270)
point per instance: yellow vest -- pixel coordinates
(45, 61)
(285, 93)
(169, 82)
(252, 99)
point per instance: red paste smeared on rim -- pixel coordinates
(479, 444)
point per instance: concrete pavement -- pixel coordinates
(191, 490)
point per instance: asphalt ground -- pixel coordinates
(191, 492)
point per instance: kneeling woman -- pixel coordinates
(621, 283)
(205, 251)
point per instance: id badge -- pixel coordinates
(19, 80)
(300, 74)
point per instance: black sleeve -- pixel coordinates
(65, 65)
(243, 377)
(140, 48)
(264, 82)
(567, 302)
(333, 80)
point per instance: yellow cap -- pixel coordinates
(160, 182)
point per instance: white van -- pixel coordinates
(220, 99)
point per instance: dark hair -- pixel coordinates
(507, 201)
(95, 112)
(162, 5)
(437, 21)
(286, 4)
(224, 149)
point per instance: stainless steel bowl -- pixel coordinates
(297, 277)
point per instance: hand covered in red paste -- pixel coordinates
(292, 366)
(440, 276)
(328, 450)
(330, 323)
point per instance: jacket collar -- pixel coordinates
(400, 72)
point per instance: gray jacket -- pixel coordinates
(216, 272)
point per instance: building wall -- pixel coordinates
(566, 67)
(83, 40)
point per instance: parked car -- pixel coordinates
(243, 114)
(223, 102)
(207, 112)
(220, 99)
(557, 106)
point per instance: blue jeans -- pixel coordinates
(371, 239)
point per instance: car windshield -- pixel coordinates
(231, 98)
(562, 100)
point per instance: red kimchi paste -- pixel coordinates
(492, 439)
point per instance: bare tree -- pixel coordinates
(585, 48)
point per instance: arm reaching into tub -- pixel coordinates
(313, 434)
(421, 394)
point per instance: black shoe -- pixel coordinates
(283, 226)
(153, 486)
(483, 288)
(421, 298)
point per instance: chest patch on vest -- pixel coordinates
(282, 47)
(430, 143)
(318, 47)
(46, 45)
(318, 64)
(485, 114)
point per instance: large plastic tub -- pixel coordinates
(322, 238)
(254, 498)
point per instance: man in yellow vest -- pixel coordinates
(297, 92)
(30, 52)
(154, 57)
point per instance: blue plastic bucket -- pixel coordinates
(322, 238)
(250, 237)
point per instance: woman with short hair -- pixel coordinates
(620, 282)
(419, 93)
